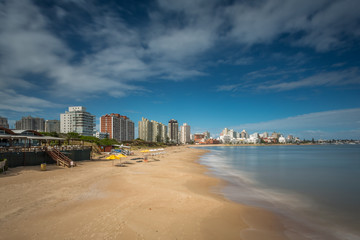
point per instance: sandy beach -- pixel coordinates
(168, 199)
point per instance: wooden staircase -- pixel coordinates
(60, 158)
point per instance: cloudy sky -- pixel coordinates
(278, 65)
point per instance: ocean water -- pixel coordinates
(316, 187)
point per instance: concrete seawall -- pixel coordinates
(16, 159)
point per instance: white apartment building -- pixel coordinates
(185, 133)
(282, 139)
(254, 138)
(76, 119)
(152, 131)
(145, 130)
(164, 132)
(155, 131)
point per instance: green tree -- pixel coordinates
(52, 134)
(72, 135)
(158, 138)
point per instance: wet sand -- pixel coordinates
(168, 199)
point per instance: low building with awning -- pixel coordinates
(24, 138)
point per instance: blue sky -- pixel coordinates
(278, 65)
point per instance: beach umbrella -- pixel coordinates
(112, 157)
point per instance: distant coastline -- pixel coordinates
(251, 145)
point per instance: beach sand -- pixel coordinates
(168, 199)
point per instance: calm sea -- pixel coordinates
(316, 186)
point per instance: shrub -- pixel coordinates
(6, 165)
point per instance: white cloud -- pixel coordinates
(346, 77)
(180, 44)
(328, 122)
(121, 56)
(13, 101)
(318, 24)
(231, 87)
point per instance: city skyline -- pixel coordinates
(284, 66)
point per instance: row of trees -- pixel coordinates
(76, 136)
(104, 142)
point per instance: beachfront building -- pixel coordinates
(52, 126)
(30, 123)
(145, 130)
(118, 127)
(275, 135)
(244, 134)
(152, 131)
(232, 133)
(159, 131)
(225, 139)
(199, 137)
(207, 134)
(101, 135)
(185, 133)
(290, 139)
(224, 132)
(173, 127)
(130, 132)
(253, 138)
(228, 136)
(78, 120)
(164, 133)
(155, 135)
(4, 122)
(282, 139)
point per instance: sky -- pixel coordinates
(288, 66)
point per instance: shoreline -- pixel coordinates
(167, 199)
(252, 145)
(302, 225)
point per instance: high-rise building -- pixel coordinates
(207, 135)
(52, 126)
(110, 124)
(275, 135)
(164, 133)
(232, 133)
(244, 134)
(224, 132)
(30, 123)
(173, 131)
(4, 122)
(156, 130)
(77, 120)
(185, 133)
(130, 132)
(152, 131)
(145, 130)
(119, 127)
